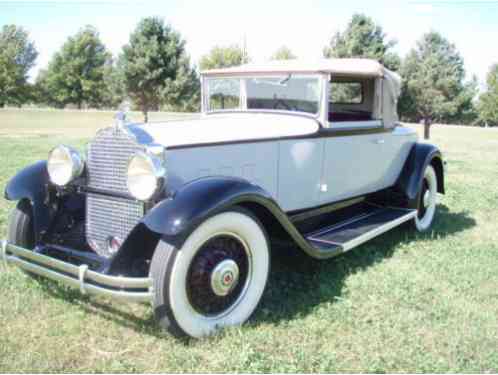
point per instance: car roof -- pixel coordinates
(346, 67)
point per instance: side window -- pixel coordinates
(346, 92)
(352, 100)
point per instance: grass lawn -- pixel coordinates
(403, 302)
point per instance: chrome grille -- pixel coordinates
(108, 157)
(110, 216)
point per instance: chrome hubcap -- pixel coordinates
(224, 277)
(427, 198)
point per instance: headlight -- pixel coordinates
(145, 175)
(64, 165)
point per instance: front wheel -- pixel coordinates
(21, 231)
(216, 279)
(427, 199)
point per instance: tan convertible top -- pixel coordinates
(362, 67)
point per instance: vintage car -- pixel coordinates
(183, 213)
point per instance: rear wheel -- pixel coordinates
(216, 279)
(427, 199)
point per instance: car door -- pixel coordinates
(299, 173)
(353, 162)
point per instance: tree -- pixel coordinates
(156, 69)
(114, 92)
(75, 75)
(42, 93)
(364, 39)
(283, 53)
(183, 94)
(434, 88)
(17, 57)
(224, 57)
(488, 100)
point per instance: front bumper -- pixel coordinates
(131, 289)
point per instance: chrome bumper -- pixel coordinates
(80, 277)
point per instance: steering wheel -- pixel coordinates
(283, 104)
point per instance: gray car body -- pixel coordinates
(304, 167)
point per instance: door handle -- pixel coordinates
(379, 141)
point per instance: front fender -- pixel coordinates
(411, 177)
(175, 218)
(32, 183)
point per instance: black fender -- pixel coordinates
(32, 183)
(175, 218)
(412, 174)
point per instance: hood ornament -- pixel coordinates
(120, 116)
(120, 119)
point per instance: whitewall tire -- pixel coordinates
(427, 200)
(216, 279)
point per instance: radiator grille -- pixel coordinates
(110, 216)
(108, 157)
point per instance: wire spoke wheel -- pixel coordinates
(216, 279)
(218, 275)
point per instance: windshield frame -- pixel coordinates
(243, 97)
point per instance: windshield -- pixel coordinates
(278, 93)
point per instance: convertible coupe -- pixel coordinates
(182, 214)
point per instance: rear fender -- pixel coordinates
(411, 177)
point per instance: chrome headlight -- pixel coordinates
(145, 175)
(64, 165)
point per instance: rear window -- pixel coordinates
(346, 92)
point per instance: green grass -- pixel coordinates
(404, 302)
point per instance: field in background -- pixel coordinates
(68, 123)
(404, 302)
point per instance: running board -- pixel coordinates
(351, 233)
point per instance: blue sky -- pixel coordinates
(304, 26)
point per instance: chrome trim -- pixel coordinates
(325, 209)
(343, 224)
(3, 252)
(378, 231)
(107, 166)
(77, 167)
(81, 277)
(229, 268)
(158, 170)
(78, 276)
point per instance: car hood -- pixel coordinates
(212, 129)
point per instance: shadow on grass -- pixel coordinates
(104, 309)
(297, 282)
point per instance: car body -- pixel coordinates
(183, 213)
